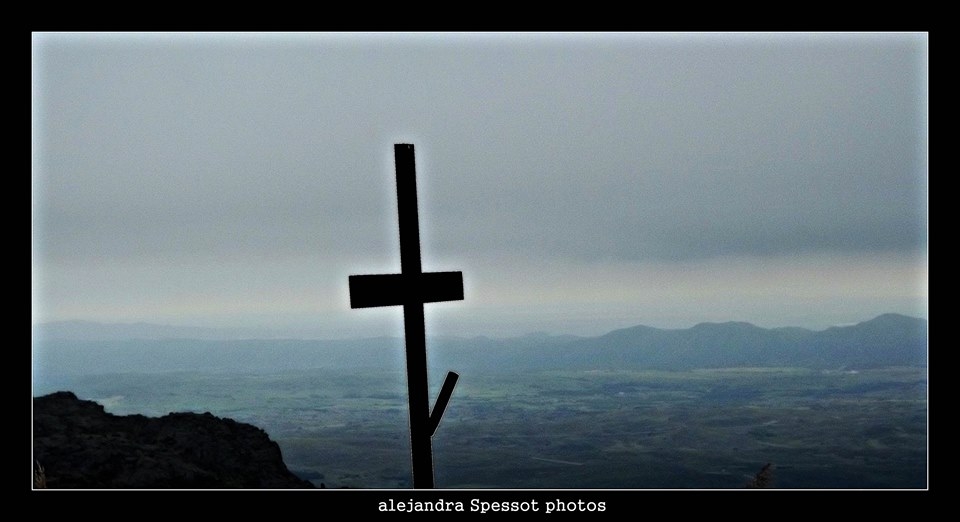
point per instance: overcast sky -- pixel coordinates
(580, 182)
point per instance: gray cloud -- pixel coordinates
(629, 147)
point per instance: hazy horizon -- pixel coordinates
(581, 182)
(91, 329)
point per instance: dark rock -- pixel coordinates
(79, 445)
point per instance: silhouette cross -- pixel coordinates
(411, 288)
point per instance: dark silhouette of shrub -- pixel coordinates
(763, 479)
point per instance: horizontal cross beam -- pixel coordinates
(372, 290)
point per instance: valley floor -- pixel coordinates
(580, 430)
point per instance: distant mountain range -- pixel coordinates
(887, 340)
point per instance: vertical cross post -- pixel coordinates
(411, 288)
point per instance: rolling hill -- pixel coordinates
(887, 340)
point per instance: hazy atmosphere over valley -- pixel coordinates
(581, 182)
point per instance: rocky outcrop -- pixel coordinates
(79, 445)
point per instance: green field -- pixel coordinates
(620, 429)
